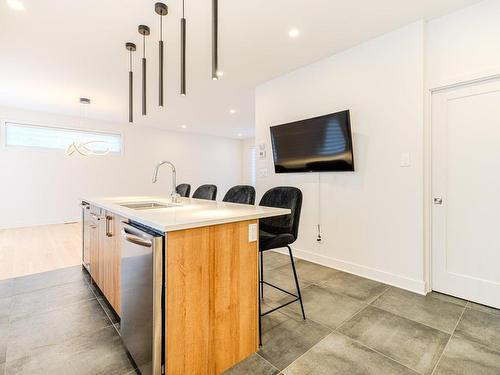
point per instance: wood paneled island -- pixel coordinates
(206, 318)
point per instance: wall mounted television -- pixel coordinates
(319, 144)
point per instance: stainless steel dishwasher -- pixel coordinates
(141, 296)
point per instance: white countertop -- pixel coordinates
(188, 213)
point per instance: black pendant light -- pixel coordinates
(162, 10)
(215, 40)
(130, 48)
(144, 31)
(183, 52)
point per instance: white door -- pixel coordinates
(466, 178)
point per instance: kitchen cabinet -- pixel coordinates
(190, 301)
(102, 242)
(212, 298)
(110, 258)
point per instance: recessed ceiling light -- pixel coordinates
(240, 135)
(294, 33)
(232, 111)
(16, 4)
(183, 126)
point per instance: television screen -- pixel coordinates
(320, 144)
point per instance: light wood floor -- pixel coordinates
(25, 251)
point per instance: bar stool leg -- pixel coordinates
(297, 282)
(261, 281)
(261, 295)
(260, 320)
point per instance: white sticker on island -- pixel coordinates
(252, 232)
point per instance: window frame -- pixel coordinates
(30, 124)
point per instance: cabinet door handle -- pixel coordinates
(93, 226)
(108, 231)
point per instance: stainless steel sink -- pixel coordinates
(147, 205)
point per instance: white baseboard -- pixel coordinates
(42, 223)
(403, 282)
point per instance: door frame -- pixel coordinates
(430, 90)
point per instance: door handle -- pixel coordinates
(108, 231)
(136, 239)
(438, 200)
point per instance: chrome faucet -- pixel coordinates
(174, 194)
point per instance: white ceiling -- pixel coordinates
(58, 50)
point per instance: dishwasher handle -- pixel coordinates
(136, 239)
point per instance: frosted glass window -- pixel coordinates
(22, 135)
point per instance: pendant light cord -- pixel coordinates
(183, 51)
(319, 238)
(144, 46)
(161, 28)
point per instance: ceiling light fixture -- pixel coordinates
(89, 147)
(16, 5)
(183, 52)
(232, 111)
(144, 31)
(130, 48)
(183, 126)
(215, 40)
(162, 10)
(294, 33)
(240, 135)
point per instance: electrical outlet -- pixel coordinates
(319, 238)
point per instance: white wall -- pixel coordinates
(43, 186)
(246, 160)
(460, 47)
(373, 218)
(464, 45)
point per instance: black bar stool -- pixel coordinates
(208, 192)
(183, 190)
(276, 232)
(244, 194)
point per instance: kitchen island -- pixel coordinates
(183, 276)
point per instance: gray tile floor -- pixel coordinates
(56, 323)
(359, 326)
